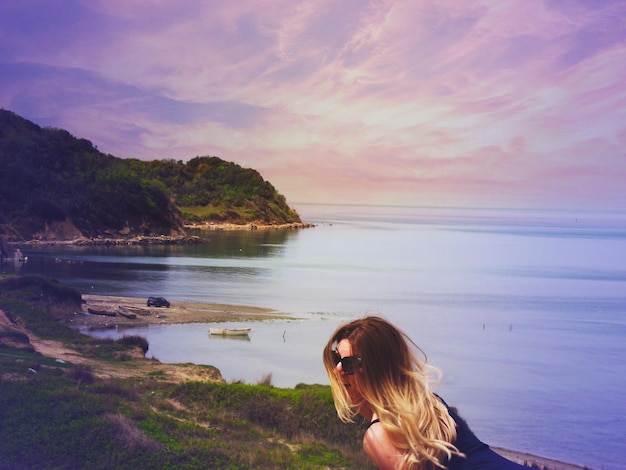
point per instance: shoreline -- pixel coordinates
(196, 312)
(248, 226)
(536, 461)
(163, 239)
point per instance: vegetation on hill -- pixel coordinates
(209, 188)
(56, 186)
(66, 415)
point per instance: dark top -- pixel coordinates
(478, 455)
(373, 422)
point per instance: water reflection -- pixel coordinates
(243, 256)
(229, 338)
(240, 243)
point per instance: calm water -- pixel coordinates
(524, 312)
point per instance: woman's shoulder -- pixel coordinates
(379, 447)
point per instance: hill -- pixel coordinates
(54, 186)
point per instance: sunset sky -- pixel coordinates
(495, 103)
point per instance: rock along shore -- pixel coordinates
(162, 239)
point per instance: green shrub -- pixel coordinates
(134, 341)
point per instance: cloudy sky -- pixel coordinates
(447, 102)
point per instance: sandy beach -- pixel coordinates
(113, 311)
(536, 461)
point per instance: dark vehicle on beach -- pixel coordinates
(158, 302)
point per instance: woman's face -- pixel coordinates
(344, 349)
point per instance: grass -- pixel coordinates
(62, 415)
(237, 215)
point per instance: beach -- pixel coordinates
(112, 308)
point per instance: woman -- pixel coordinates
(374, 371)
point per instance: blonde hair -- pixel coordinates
(395, 384)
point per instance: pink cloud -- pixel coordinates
(446, 102)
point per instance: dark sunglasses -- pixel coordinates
(348, 363)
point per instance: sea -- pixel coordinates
(523, 311)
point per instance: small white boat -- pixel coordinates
(229, 331)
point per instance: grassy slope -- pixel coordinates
(62, 415)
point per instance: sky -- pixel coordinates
(517, 103)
